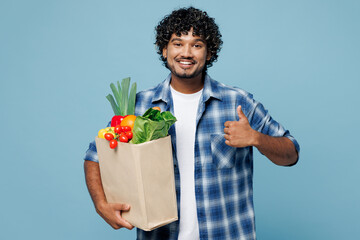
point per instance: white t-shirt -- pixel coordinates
(185, 111)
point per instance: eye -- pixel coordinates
(198, 46)
(177, 44)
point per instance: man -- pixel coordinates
(213, 139)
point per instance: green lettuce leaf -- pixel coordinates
(152, 125)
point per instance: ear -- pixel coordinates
(164, 52)
(208, 56)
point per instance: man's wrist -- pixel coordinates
(256, 139)
(100, 204)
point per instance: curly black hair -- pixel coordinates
(180, 22)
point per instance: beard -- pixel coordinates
(185, 74)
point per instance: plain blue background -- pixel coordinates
(301, 59)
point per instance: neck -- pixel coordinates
(187, 85)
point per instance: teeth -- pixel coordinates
(187, 63)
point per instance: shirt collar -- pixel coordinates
(211, 89)
(162, 91)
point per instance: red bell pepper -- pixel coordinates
(116, 120)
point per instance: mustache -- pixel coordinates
(187, 59)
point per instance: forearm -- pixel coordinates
(93, 182)
(110, 212)
(280, 150)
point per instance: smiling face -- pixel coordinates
(186, 56)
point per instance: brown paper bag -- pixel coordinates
(141, 175)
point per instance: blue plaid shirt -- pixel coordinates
(223, 174)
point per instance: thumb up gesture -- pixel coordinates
(239, 133)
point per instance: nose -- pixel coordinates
(187, 51)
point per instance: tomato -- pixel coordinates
(122, 129)
(101, 133)
(113, 143)
(129, 135)
(128, 121)
(127, 129)
(109, 136)
(117, 129)
(123, 138)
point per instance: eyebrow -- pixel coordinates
(196, 40)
